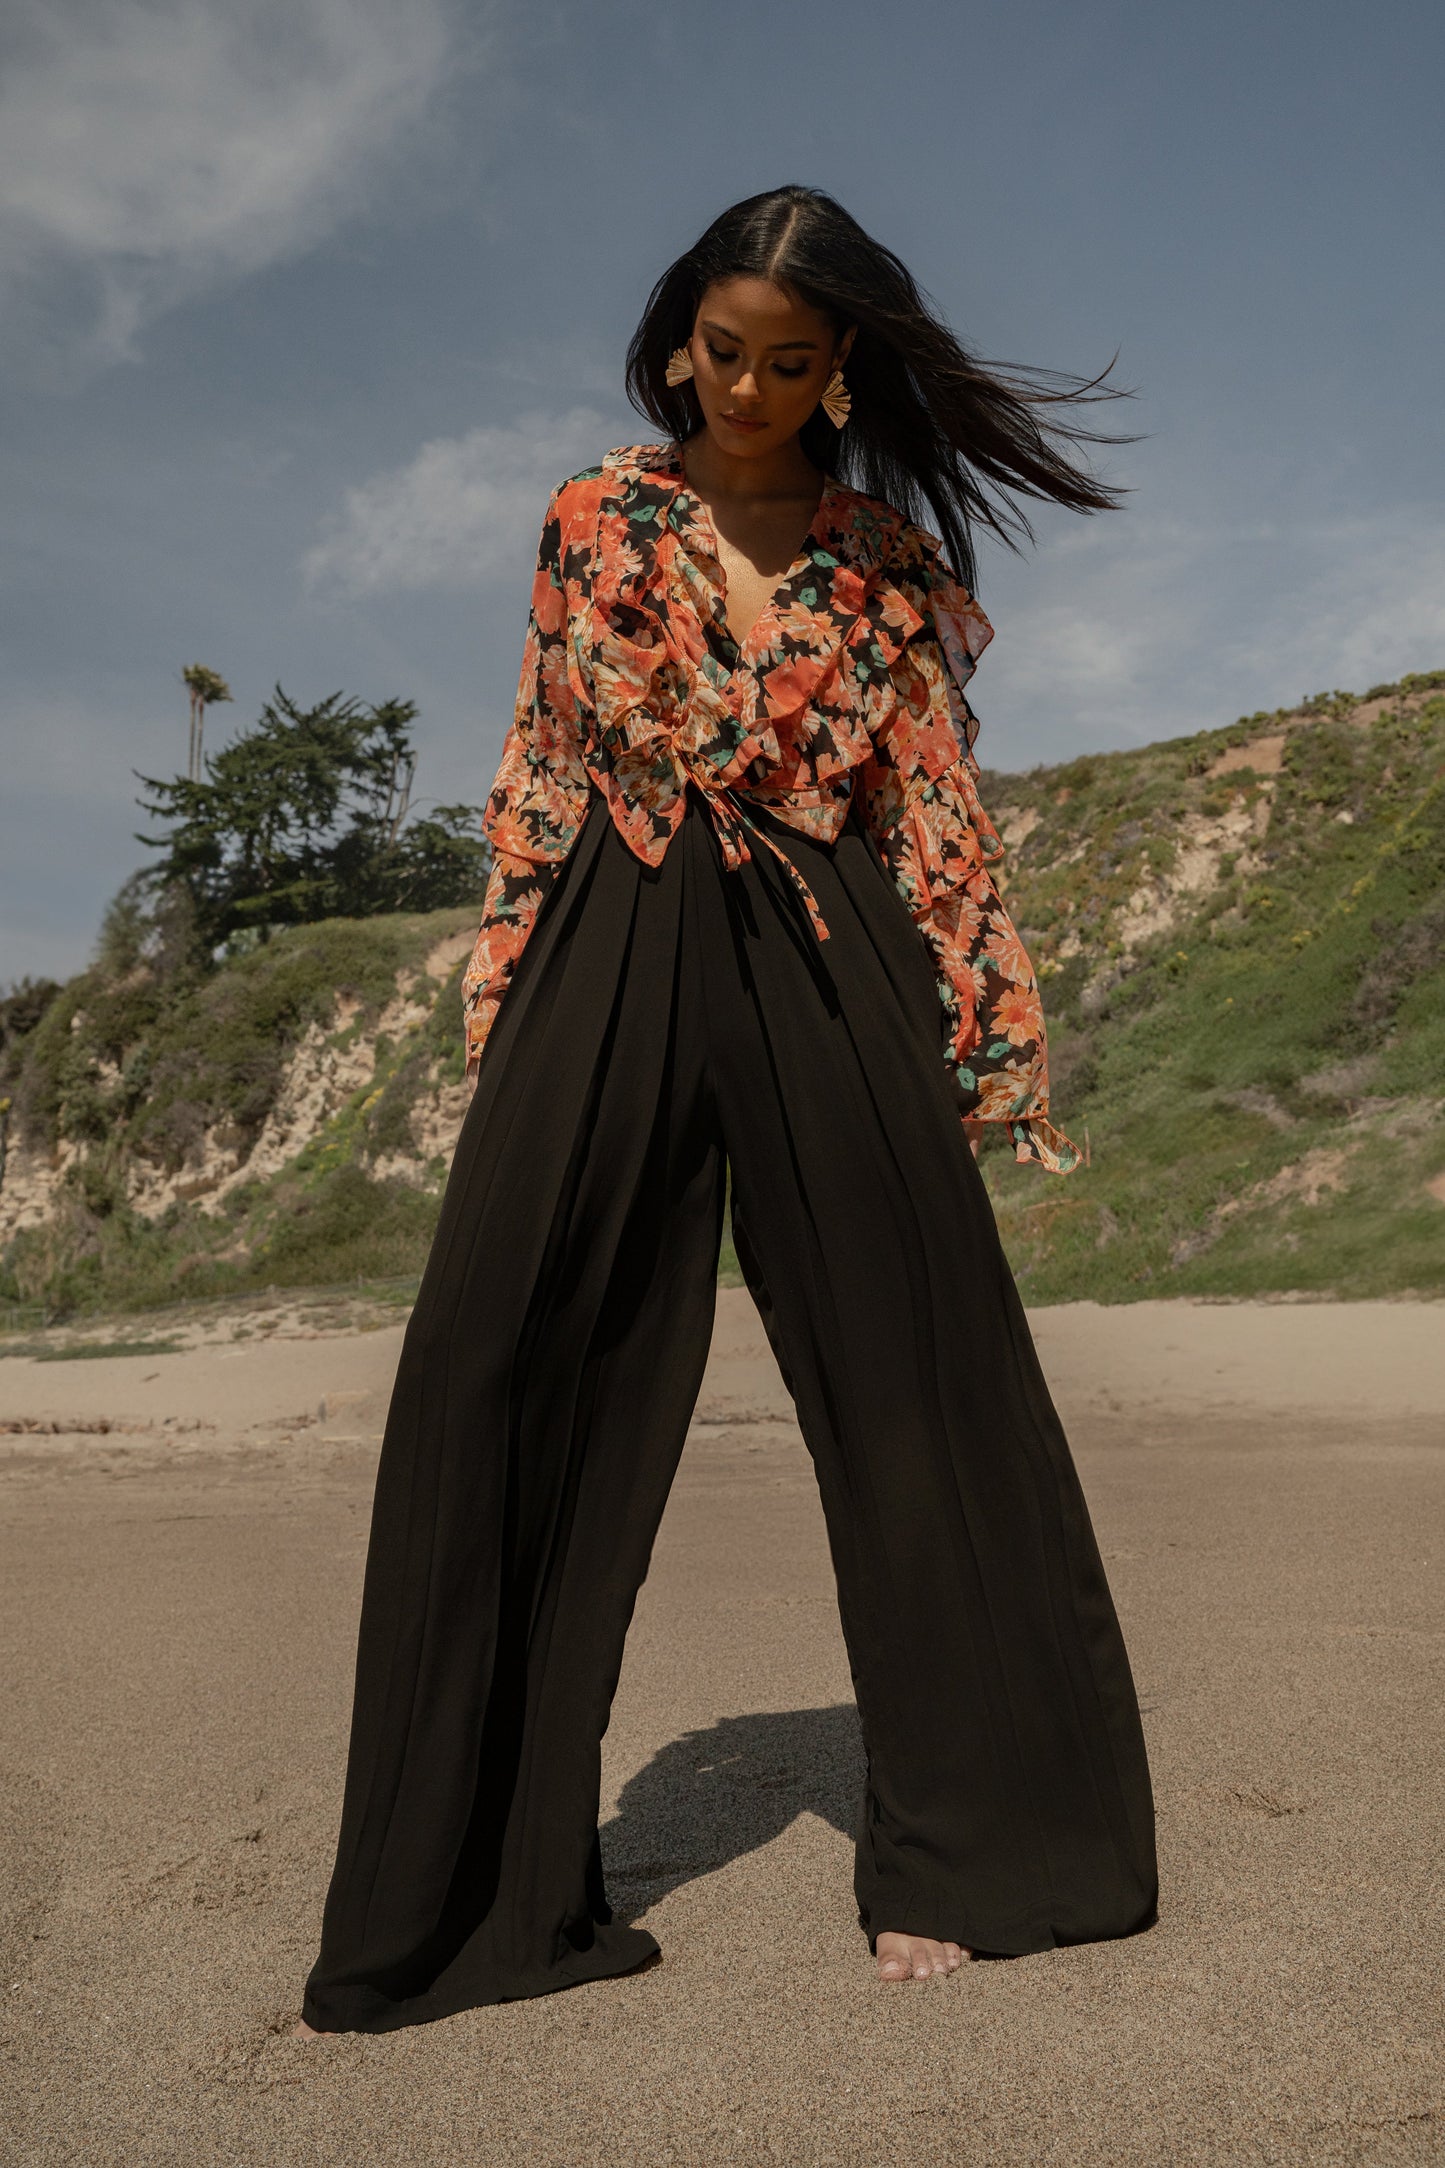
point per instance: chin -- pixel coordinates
(741, 443)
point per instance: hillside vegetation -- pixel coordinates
(284, 1122)
(1241, 936)
(1242, 942)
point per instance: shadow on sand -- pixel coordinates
(713, 1795)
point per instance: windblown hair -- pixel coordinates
(931, 423)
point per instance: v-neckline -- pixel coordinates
(702, 516)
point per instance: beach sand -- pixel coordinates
(181, 1541)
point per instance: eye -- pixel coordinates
(800, 370)
(716, 355)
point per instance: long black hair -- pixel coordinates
(930, 421)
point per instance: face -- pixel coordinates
(760, 360)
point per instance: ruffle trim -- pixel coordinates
(640, 653)
(1036, 1138)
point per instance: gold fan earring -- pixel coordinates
(837, 400)
(679, 365)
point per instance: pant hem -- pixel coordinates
(364, 2010)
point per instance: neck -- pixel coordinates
(712, 472)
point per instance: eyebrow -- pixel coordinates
(780, 346)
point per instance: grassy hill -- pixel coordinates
(1241, 936)
(1242, 942)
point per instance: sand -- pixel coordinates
(179, 1595)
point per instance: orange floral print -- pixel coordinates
(849, 688)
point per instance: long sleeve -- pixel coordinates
(921, 806)
(537, 802)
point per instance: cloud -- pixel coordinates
(153, 149)
(1362, 599)
(464, 509)
(1114, 632)
(1123, 632)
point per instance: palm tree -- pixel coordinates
(206, 688)
(398, 795)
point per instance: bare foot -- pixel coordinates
(302, 2031)
(915, 1957)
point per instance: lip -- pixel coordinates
(742, 421)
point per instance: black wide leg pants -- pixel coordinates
(662, 1026)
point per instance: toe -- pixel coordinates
(891, 1960)
(916, 1957)
(895, 1957)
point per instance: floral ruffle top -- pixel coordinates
(849, 686)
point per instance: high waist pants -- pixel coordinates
(663, 1026)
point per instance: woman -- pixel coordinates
(740, 917)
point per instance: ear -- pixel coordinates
(845, 345)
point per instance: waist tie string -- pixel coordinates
(730, 818)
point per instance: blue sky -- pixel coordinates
(305, 304)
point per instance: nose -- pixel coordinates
(746, 386)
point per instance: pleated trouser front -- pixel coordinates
(665, 1024)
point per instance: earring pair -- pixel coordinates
(836, 402)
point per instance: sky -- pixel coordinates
(305, 305)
